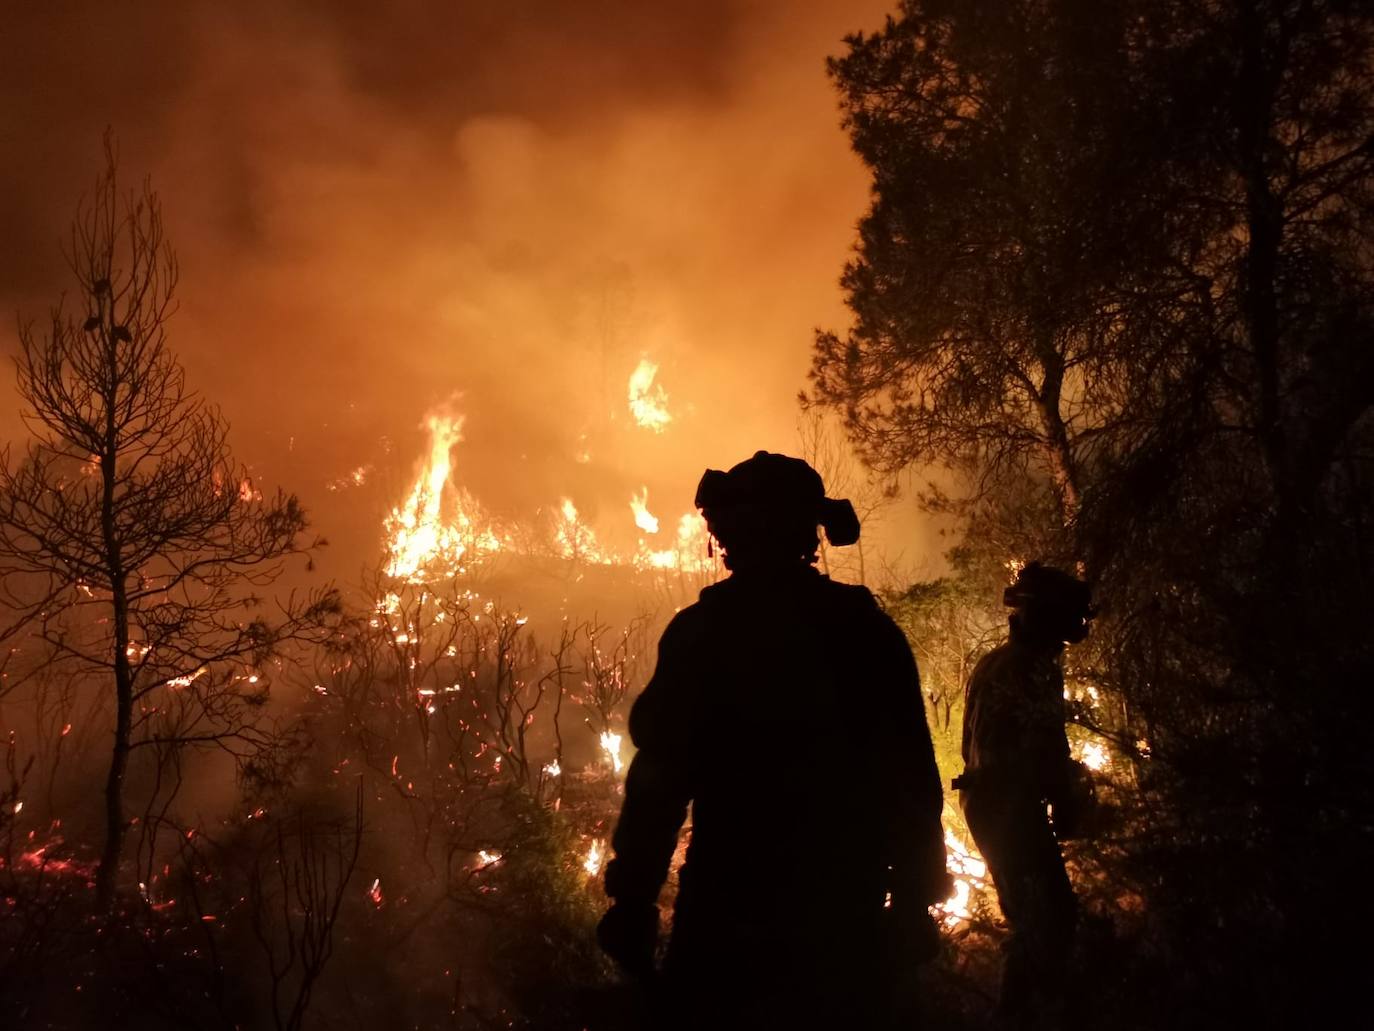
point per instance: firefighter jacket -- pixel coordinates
(1014, 742)
(786, 711)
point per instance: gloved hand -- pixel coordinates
(628, 933)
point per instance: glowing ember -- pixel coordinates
(610, 744)
(39, 859)
(375, 893)
(553, 769)
(356, 478)
(648, 402)
(486, 858)
(595, 856)
(644, 519)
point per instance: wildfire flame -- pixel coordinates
(440, 531)
(648, 401)
(639, 505)
(423, 541)
(969, 872)
(1092, 755)
(610, 744)
(595, 856)
(574, 538)
(690, 553)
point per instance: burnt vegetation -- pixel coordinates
(1115, 285)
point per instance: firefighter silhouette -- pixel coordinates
(786, 710)
(1017, 772)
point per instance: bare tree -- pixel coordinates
(128, 535)
(296, 891)
(608, 674)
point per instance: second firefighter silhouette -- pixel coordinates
(1017, 771)
(785, 709)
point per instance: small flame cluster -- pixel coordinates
(970, 873)
(610, 744)
(648, 400)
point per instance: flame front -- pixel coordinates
(648, 401)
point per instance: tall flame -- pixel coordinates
(610, 744)
(422, 541)
(648, 401)
(639, 505)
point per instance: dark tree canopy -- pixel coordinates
(1116, 273)
(1089, 216)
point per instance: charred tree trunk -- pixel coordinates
(107, 875)
(108, 872)
(1264, 223)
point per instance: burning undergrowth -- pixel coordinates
(422, 810)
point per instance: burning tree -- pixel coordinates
(131, 543)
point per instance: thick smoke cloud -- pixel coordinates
(498, 207)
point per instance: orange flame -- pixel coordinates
(648, 401)
(423, 543)
(595, 855)
(639, 505)
(970, 874)
(610, 744)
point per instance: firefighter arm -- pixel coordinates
(644, 839)
(655, 808)
(919, 875)
(657, 786)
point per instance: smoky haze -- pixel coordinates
(497, 210)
